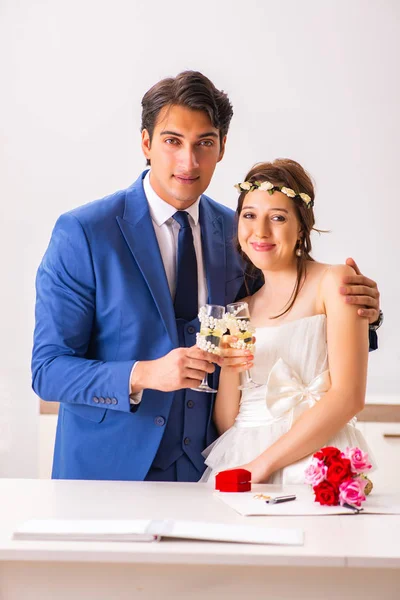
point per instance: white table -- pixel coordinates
(352, 556)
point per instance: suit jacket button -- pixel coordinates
(186, 441)
(101, 400)
(114, 401)
(160, 421)
(191, 329)
(95, 399)
(190, 404)
(108, 400)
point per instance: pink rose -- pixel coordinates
(315, 472)
(352, 492)
(359, 460)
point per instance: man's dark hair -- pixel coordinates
(192, 90)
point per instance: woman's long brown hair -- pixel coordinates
(288, 173)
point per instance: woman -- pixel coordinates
(312, 349)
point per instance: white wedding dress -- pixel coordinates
(291, 361)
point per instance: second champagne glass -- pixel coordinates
(239, 325)
(212, 328)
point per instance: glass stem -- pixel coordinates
(246, 378)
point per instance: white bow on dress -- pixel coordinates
(288, 395)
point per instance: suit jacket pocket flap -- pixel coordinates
(92, 413)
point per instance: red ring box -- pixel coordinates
(234, 480)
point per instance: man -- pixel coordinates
(118, 292)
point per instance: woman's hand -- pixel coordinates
(258, 469)
(235, 359)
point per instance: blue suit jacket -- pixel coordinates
(103, 302)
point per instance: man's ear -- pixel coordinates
(146, 144)
(222, 151)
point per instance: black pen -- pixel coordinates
(353, 508)
(280, 499)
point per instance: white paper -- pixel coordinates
(151, 530)
(249, 504)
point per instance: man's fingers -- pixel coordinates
(352, 263)
(191, 383)
(369, 313)
(359, 280)
(357, 290)
(200, 365)
(193, 374)
(362, 300)
(196, 353)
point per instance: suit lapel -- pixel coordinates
(138, 231)
(214, 251)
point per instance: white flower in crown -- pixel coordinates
(306, 198)
(265, 186)
(246, 185)
(288, 191)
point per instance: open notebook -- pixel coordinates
(151, 530)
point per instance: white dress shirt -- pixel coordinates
(167, 232)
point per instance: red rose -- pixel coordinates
(328, 454)
(339, 471)
(326, 493)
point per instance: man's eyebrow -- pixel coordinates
(180, 135)
(208, 134)
(172, 133)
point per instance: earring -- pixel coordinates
(299, 251)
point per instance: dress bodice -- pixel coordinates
(295, 353)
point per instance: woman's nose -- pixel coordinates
(263, 231)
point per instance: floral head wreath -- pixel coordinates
(267, 186)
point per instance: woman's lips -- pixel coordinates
(262, 247)
(186, 180)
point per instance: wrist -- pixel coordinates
(376, 324)
(266, 466)
(138, 377)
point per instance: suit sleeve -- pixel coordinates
(373, 340)
(65, 312)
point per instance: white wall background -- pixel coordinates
(314, 81)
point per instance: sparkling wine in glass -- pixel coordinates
(212, 328)
(239, 325)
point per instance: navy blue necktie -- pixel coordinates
(186, 295)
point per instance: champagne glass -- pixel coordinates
(239, 325)
(212, 328)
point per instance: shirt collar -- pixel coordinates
(160, 210)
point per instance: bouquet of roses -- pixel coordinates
(338, 477)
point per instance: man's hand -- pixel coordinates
(361, 291)
(179, 369)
